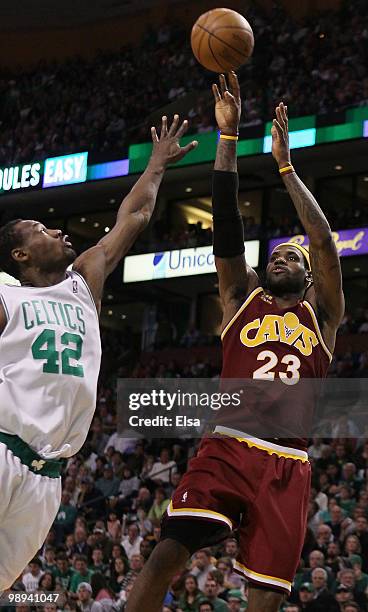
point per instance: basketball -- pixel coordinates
(222, 40)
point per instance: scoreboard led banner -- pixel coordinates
(71, 169)
(181, 262)
(59, 171)
(20, 177)
(65, 170)
(348, 242)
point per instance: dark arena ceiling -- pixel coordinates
(34, 14)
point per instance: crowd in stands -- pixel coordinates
(101, 105)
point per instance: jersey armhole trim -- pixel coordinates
(318, 329)
(89, 291)
(250, 297)
(2, 300)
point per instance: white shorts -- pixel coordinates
(28, 506)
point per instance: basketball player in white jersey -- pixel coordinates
(50, 354)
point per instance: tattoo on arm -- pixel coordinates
(226, 156)
(325, 262)
(309, 212)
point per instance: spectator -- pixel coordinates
(324, 597)
(202, 566)
(101, 592)
(65, 517)
(119, 571)
(231, 548)
(98, 564)
(108, 484)
(85, 601)
(205, 606)
(324, 537)
(306, 596)
(338, 523)
(113, 526)
(81, 574)
(235, 601)
(232, 580)
(132, 541)
(80, 546)
(49, 564)
(211, 590)
(32, 578)
(334, 561)
(191, 595)
(47, 582)
(63, 573)
(161, 470)
(343, 594)
(361, 579)
(136, 566)
(98, 439)
(128, 484)
(90, 500)
(159, 505)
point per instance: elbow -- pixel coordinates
(142, 219)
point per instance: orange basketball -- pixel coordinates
(222, 40)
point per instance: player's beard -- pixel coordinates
(285, 284)
(60, 264)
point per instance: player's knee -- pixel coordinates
(169, 556)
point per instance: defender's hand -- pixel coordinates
(280, 137)
(166, 148)
(228, 105)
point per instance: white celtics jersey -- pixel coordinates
(50, 353)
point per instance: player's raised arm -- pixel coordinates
(136, 209)
(325, 261)
(236, 278)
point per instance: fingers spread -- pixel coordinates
(183, 128)
(174, 125)
(228, 96)
(163, 126)
(216, 93)
(154, 134)
(223, 85)
(190, 146)
(234, 84)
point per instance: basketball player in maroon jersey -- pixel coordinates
(283, 332)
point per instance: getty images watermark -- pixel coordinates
(170, 401)
(192, 407)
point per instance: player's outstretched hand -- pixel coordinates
(166, 147)
(227, 104)
(280, 136)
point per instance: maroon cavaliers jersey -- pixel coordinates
(264, 342)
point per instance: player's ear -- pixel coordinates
(308, 278)
(20, 255)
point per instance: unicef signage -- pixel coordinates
(181, 262)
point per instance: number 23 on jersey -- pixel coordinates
(287, 368)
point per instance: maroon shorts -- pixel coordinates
(259, 488)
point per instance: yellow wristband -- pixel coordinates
(226, 137)
(287, 169)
